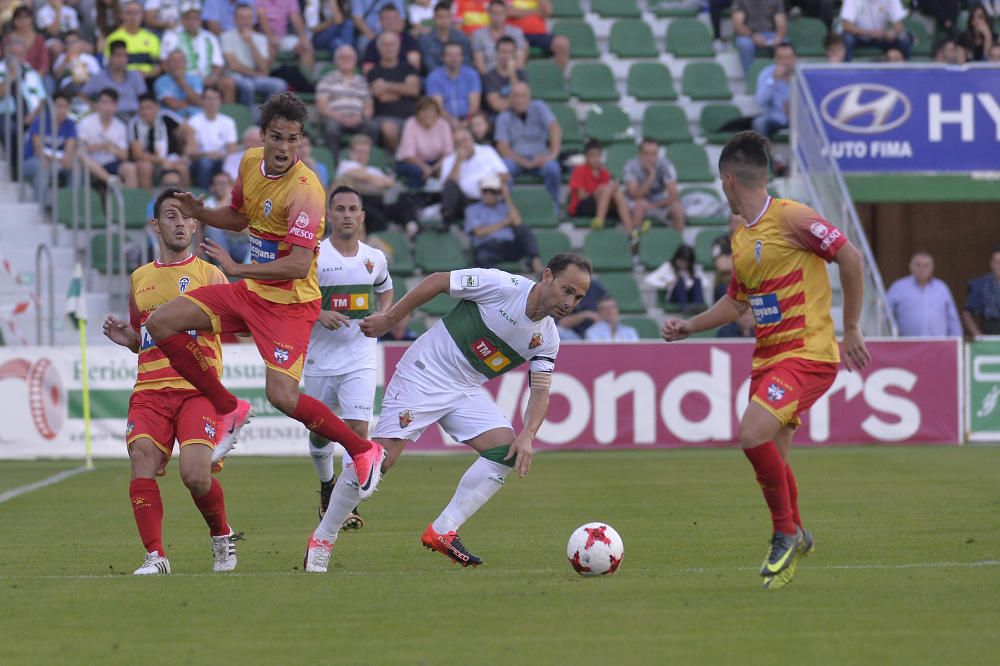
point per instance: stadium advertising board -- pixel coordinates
(982, 374)
(909, 119)
(603, 396)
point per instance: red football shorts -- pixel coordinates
(281, 331)
(165, 415)
(790, 387)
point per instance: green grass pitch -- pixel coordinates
(907, 569)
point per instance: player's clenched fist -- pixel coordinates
(675, 329)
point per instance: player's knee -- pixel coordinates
(283, 399)
(144, 459)
(197, 480)
(749, 439)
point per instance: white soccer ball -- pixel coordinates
(595, 549)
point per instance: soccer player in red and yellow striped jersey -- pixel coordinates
(164, 407)
(779, 274)
(282, 203)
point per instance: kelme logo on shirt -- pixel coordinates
(491, 356)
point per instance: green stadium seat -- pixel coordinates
(65, 203)
(569, 9)
(396, 247)
(240, 113)
(755, 69)
(550, 243)
(99, 259)
(615, 157)
(674, 8)
(439, 306)
(615, 8)
(691, 162)
(625, 290)
(418, 325)
(703, 247)
(632, 38)
(658, 245)
(535, 206)
(399, 288)
(435, 251)
(650, 81)
(572, 135)
(713, 117)
(323, 155)
(705, 80)
(666, 124)
(721, 219)
(922, 42)
(608, 124)
(644, 326)
(806, 35)
(593, 82)
(689, 38)
(136, 205)
(609, 250)
(546, 80)
(582, 42)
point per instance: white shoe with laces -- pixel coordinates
(224, 551)
(318, 553)
(153, 565)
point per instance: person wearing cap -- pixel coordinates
(497, 231)
(201, 48)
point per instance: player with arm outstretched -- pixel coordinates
(501, 322)
(779, 273)
(164, 406)
(281, 201)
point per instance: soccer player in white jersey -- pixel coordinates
(340, 364)
(500, 322)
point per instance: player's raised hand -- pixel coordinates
(521, 451)
(375, 325)
(190, 205)
(118, 331)
(675, 329)
(220, 256)
(331, 320)
(856, 354)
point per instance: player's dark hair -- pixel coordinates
(785, 45)
(61, 94)
(147, 97)
(168, 193)
(593, 144)
(344, 189)
(116, 45)
(283, 105)
(506, 39)
(745, 156)
(108, 92)
(564, 260)
(213, 88)
(442, 6)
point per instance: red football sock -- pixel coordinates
(318, 418)
(770, 468)
(793, 494)
(187, 359)
(148, 510)
(213, 508)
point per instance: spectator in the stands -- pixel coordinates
(651, 187)
(497, 230)
(75, 66)
(248, 59)
(574, 325)
(455, 86)
(484, 40)
(104, 143)
(107, 16)
(947, 52)
(944, 13)
(442, 33)
(142, 46)
(981, 315)
(237, 243)
(833, 44)
(395, 85)
(36, 54)
(979, 35)
(715, 10)
(531, 17)
(343, 101)
(685, 288)
(214, 138)
(425, 142)
(33, 93)
(757, 24)
(157, 139)
(127, 83)
(162, 15)
(921, 304)
(894, 55)
(333, 27)
(202, 50)
(220, 15)
(251, 139)
(482, 130)
(177, 89)
(377, 188)
(529, 139)
(994, 54)
(463, 171)
(409, 48)
(594, 194)
(608, 328)
(824, 10)
(366, 15)
(55, 19)
(305, 154)
(472, 15)
(41, 150)
(420, 16)
(497, 81)
(876, 24)
(275, 17)
(774, 91)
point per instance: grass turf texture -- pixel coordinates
(695, 531)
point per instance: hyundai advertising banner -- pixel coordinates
(909, 119)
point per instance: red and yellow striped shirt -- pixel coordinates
(153, 285)
(779, 269)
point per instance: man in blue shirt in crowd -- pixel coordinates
(921, 304)
(774, 89)
(456, 86)
(982, 308)
(497, 230)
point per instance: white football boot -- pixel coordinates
(154, 565)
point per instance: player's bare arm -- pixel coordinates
(725, 311)
(223, 217)
(121, 333)
(534, 414)
(432, 285)
(293, 266)
(856, 355)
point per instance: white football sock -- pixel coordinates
(322, 457)
(345, 462)
(479, 483)
(343, 499)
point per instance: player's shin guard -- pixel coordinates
(321, 451)
(213, 509)
(343, 499)
(187, 359)
(481, 481)
(319, 419)
(147, 507)
(793, 494)
(770, 468)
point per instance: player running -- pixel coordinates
(501, 322)
(281, 201)
(163, 406)
(779, 259)
(340, 365)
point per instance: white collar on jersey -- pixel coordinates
(767, 204)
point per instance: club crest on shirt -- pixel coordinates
(370, 265)
(183, 283)
(267, 207)
(129, 428)
(536, 341)
(758, 249)
(405, 418)
(210, 429)
(280, 355)
(470, 281)
(775, 393)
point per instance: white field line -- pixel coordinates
(52, 480)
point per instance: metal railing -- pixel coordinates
(42, 251)
(13, 105)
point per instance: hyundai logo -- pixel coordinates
(865, 108)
